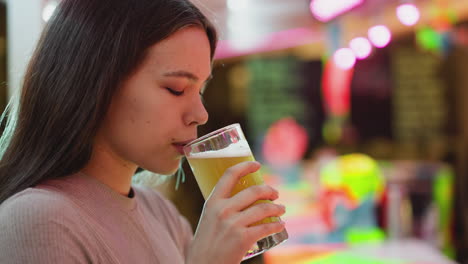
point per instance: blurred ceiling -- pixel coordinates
(260, 17)
(245, 24)
(256, 17)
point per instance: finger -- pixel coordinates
(259, 212)
(231, 177)
(261, 231)
(250, 195)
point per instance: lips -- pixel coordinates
(180, 145)
(179, 148)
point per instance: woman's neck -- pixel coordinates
(110, 169)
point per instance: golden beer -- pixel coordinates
(211, 155)
(208, 170)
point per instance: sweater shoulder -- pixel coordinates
(154, 201)
(41, 225)
(36, 204)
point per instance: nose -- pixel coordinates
(196, 113)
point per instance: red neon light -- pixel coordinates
(336, 86)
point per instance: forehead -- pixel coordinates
(186, 49)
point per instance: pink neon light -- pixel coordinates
(325, 10)
(380, 36)
(361, 47)
(344, 58)
(408, 14)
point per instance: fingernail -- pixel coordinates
(284, 207)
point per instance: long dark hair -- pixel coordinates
(85, 52)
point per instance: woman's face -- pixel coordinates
(159, 107)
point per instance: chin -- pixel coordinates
(171, 171)
(167, 169)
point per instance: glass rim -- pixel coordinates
(211, 134)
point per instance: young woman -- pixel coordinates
(113, 86)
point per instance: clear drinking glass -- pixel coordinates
(209, 156)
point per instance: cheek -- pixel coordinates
(142, 111)
(150, 124)
(146, 116)
(130, 121)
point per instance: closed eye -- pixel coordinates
(174, 92)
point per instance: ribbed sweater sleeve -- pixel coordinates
(39, 229)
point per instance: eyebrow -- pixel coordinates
(185, 74)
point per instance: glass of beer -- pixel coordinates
(209, 156)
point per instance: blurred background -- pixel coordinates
(357, 110)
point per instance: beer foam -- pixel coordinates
(239, 149)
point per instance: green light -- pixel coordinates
(428, 39)
(349, 258)
(364, 235)
(358, 173)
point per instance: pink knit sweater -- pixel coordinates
(77, 219)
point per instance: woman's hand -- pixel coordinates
(224, 232)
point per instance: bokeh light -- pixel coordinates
(325, 10)
(285, 143)
(379, 36)
(408, 14)
(361, 47)
(344, 58)
(429, 39)
(48, 10)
